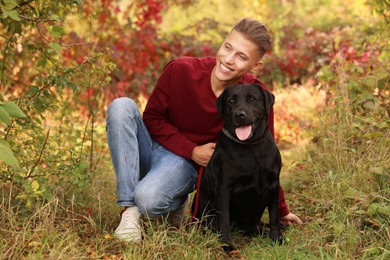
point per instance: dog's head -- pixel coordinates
(244, 109)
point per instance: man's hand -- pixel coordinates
(290, 219)
(202, 153)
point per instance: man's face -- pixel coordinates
(236, 56)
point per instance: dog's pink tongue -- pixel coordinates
(243, 132)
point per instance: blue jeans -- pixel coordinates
(148, 176)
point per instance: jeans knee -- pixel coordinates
(150, 203)
(121, 108)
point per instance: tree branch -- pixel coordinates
(4, 59)
(40, 156)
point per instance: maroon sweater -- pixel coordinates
(181, 112)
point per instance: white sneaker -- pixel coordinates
(129, 228)
(176, 217)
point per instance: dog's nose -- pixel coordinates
(241, 114)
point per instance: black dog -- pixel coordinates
(242, 177)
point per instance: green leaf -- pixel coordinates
(57, 31)
(375, 208)
(55, 46)
(4, 142)
(55, 17)
(14, 15)
(13, 110)
(380, 73)
(330, 215)
(369, 81)
(42, 63)
(10, 4)
(32, 90)
(383, 125)
(5, 12)
(352, 193)
(4, 116)
(7, 156)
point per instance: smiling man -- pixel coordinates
(156, 157)
(236, 57)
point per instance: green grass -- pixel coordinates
(338, 184)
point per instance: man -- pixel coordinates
(156, 158)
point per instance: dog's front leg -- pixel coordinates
(274, 221)
(223, 218)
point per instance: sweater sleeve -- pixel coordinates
(283, 209)
(157, 120)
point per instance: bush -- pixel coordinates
(53, 146)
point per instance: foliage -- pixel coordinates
(8, 110)
(382, 7)
(35, 76)
(301, 57)
(140, 50)
(300, 49)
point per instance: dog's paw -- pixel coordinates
(277, 237)
(279, 240)
(228, 248)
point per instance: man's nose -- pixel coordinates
(229, 58)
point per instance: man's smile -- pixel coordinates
(225, 69)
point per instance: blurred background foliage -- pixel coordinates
(62, 62)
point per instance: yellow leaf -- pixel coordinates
(35, 243)
(35, 186)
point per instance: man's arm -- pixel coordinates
(156, 116)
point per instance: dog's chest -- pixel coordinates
(246, 169)
(246, 162)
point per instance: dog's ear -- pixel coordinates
(269, 99)
(221, 102)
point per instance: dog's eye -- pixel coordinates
(231, 101)
(251, 99)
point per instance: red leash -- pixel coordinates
(197, 194)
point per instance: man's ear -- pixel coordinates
(258, 66)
